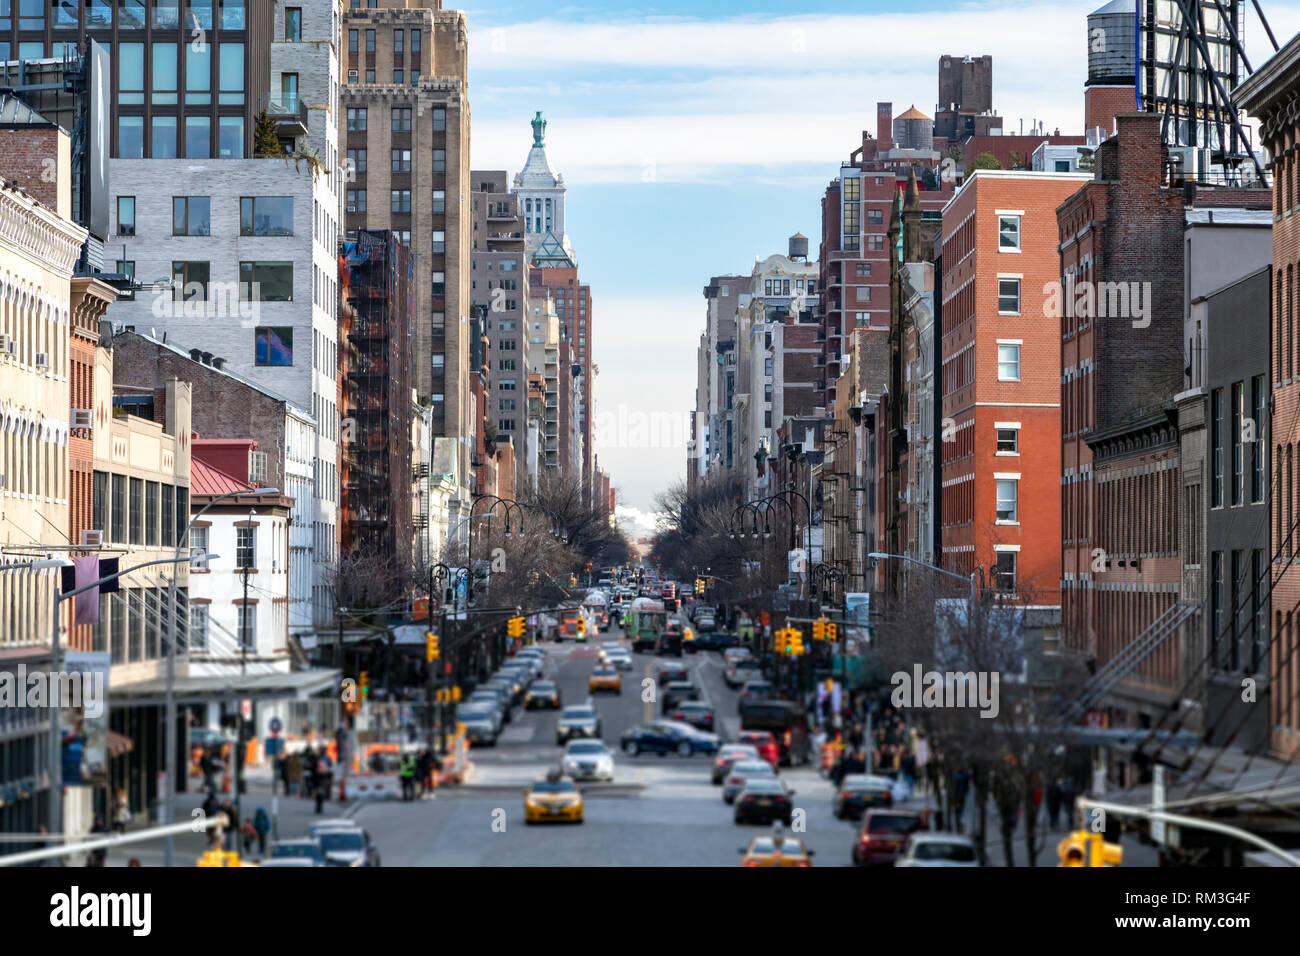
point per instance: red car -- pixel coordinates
(763, 742)
(883, 835)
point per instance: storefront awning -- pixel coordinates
(281, 685)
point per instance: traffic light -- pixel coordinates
(365, 684)
(582, 625)
(796, 644)
(573, 580)
(431, 652)
(515, 627)
(818, 629)
(831, 632)
(1084, 848)
(455, 694)
(778, 642)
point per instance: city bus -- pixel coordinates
(643, 622)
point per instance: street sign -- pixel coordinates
(276, 725)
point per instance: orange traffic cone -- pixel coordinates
(343, 788)
(225, 783)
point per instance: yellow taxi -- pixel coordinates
(776, 850)
(554, 799)
(604, 678)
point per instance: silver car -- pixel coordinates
(620, 658)
(740, 772)
(481, 724)
(580, 720)
(588, 760)
(938, 849)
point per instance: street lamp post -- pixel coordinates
(56, 736)
(169, 779)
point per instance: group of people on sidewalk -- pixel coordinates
(254, 830)
(307, 774)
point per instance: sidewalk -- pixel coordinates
(294, 816)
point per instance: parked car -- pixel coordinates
(348, 846)
(740, 772)
(480, 720)
(696, 713)
(740, 671)
(580, 720)
(302, 848)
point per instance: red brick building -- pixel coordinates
(1001, 382)
(1270, 96)
(1014, 151)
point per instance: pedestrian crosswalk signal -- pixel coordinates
(431, 652)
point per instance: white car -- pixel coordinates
(588, 760)
(621, 658)
(938, 849)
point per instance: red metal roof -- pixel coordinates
(206, 480)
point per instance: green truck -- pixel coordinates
(643, 622)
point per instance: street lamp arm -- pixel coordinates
(64, 595)
(965, 579)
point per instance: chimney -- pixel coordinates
(218, 363)
(884, 126)
(196, 355)
(207, 358)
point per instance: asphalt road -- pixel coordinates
(659, 811)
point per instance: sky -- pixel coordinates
(696, 137)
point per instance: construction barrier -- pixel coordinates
(374, 786)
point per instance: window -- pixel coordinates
(506, 385)
(1008, 296)
(118, 514)
(266, 281)
(126, 215)
(130, 74)
(1008, 362)
(357, 160)
(354, 41)
(230, 137)
(439, 202)
(168, 513)
(245, 547)
(130, 137)
(875, 217)
(190, 281)
(440, 161)
(198, 627)
(230, 85)
(165, 63)
(273, 346)
(1061, 166)
(401, 161)
(1006, 503)
(398, 78)
(198, 74)
(852, 189)
(182, 512)
(1216, 448)
(1258, 396)
(356, 119)
(767, 393)
(151, 513)
(248, 626)
(293, 25)
(400, 200)
(126, 267)
(130, 14)
(166, 14)
(439, 243)
(135, 518)
(767, 366)
(415, 41)
(875, 243)
(1008, 441)
(1004, 572)
(99, 502)
(1008, 233)
(439, 288)
(401, 119)
(191, 216)
(440, 125)
(370, 41)
(198, 546)
(163, 137)
(1216, 598)
(1238, 448)
(198, 137)
(370, 77)
(862, 293)
(356, 200)
(266, 216)
(398, 37)
(232, 14)
(864, 268)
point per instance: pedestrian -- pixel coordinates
(134, 861)
(407, 775)
(423, 766)
(121, 811)
(210, 806)
(295, 775)
(1054, 802)
(210, 763)
(319, 784)
(1069, 793)
(232, 826)
(261, 826)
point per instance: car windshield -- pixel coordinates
(603, 672)
(747, 768)
(769, 845)
(543, 686)
(957, 852)
(587, 747)
(764, 786)
(856, 781)
(895, 823)
(554, 786)
(310, 850)
(342, 841)
(578, 713)
(694, 707)
(739, 752)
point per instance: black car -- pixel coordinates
(669, 672)
(859, 792)
(677, 691)
(764, 800)
(665, 736)
(694, 712)
(670, 642)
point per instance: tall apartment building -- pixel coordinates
(405, 106)
(238, 255)
(854, 254)
(499, 291)
(716, 388)
(541, 195)
(1001, 381)
(543, 381)
(1268, 96)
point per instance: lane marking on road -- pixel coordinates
(520, 734)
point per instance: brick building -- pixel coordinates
(1269, 95)
(1001, 381)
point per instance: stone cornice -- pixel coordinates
(38, 232)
